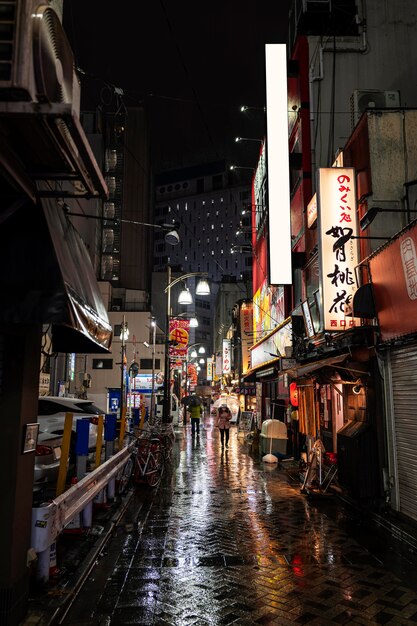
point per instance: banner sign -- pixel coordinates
(246, 321)
(178, 337)
(218, 368)
(192, 373)
(394, 282)
(227, 364)
(338, 251)
(210, 363)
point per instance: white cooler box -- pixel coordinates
(278, 431)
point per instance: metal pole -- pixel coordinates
(151, 417)
(122, 367)
(167, 412)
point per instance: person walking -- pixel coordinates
(195, 414)
(224, 415)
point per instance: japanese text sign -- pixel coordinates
(227, 365)
(338, 251)
(178, 337)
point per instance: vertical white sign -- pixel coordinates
(210, 363)
(227, 365)
(338, 250)
(278, 165)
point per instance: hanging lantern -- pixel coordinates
(294, 394)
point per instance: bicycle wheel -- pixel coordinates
(155, 468)
(124, 477)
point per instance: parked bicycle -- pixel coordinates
(151, 449)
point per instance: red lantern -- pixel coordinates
(294, 394)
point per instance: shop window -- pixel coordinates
(146, 364)
(102, 364)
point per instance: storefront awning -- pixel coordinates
(47, 278)
(308, 368)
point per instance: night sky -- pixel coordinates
(193, 63)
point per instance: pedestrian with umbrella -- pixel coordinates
(224, 415)
(194, 406)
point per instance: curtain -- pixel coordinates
(307, 410)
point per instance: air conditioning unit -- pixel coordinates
(37, 63)
(371, 99)
(115, 308)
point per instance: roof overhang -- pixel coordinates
(47, 278)
(309, 368)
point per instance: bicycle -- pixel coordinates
(149, 462)
(145, 463)
(166, 436)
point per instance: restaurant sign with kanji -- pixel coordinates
(338, 251)
(178, 337)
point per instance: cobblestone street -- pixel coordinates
(229, 540)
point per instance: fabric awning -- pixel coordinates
(47, 277)
(308, 368)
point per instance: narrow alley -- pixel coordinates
(229, 540)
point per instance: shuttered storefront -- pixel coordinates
(404, 395)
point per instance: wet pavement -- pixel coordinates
(227, 539)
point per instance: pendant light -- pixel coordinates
(203, 288)
(185, 297)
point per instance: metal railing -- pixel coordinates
(50, 520)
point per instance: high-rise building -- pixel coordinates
(206, 202)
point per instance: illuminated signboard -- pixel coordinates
(227, 365)
(210, 365)
(312, 211)
(178, 337)
(338, 252)
(273, 346)
(279, 229)
(268, 310)
(246, 313)
(258, 187)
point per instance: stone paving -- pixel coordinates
(229, 540)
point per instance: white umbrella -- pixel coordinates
(231, 402)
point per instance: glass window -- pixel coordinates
(102, 364)
(146, 364)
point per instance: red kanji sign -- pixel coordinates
(178, 337)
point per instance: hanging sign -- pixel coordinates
(178, 337)
(227, 365)
(210, 361)
(338, 250)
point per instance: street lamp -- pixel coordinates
(239, 139)
(242, 249)
(241, 167)
(245, 108)
(124, 334)
(202, 289)
(373, 211)
(171, 234)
